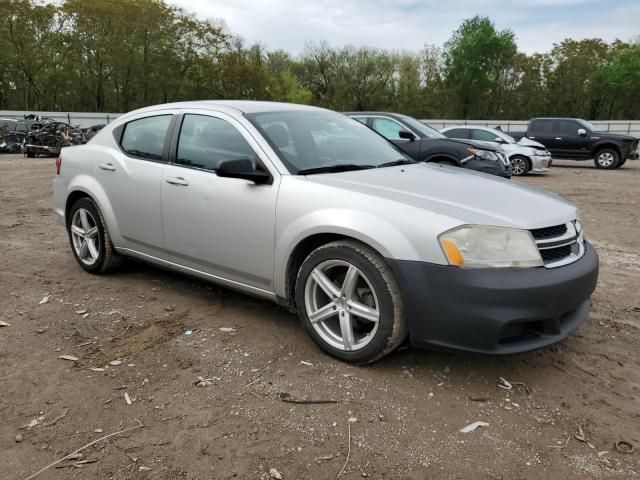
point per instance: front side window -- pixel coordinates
(316, 139)
(144, 138)
(387, 128)
(568, 127)
(206, 141)
(483, 135)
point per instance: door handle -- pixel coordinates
(107, 166)
(177, 181)
(558, 138)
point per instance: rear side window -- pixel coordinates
(144, 138)
(483, 135)
(205, 141)
(541, 127)
(457, 133)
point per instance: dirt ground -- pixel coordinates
(397, 419)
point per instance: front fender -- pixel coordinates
(369, 229)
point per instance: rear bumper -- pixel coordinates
(495, 310)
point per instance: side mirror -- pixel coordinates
(242, 168)
(499, 140)
(406, 135)
(582, 132)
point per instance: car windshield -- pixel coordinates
(322, 141)
(589, 126)
(422, 128)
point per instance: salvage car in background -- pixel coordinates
(577, 139)
(425, 144)
(313, 210)
(49, 139)
(532, 157)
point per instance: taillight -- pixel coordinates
(58, 164)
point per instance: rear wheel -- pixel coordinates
(607, 159)
(89, 238)
(349, 302)
(520, 165)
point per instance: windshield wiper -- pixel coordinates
(344, 167)
(401, 161)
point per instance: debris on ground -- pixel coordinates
(308, 364)
(71, 358)
(273, 473)
(508, 385)
(115, 363)
(44, 300)
(142, 468)
(472, 426)
(582, 437)
(227, 329)
(203, 382)
(19, 438)
(4, 324)
(127, 398)
(623, 446)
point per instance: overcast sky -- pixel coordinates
(409, 24)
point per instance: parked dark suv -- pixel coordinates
(425, 144)
(577, 139)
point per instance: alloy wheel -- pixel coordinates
(342, 305)
(518, 166)
(605, 159)
(84, 236)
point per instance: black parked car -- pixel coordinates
(425, 144)
(577, 139)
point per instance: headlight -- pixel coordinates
(484, 154)
(483, 246)
(541, 153)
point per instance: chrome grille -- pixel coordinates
(560, 244)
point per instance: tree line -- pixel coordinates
(117, 55)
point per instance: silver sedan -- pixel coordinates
(313, 210)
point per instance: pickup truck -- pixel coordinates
(577, 139)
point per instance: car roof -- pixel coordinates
(244, 106)
(369, 113)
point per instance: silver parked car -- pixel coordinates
(526, 156)
(312, 209)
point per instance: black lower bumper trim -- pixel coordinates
(495, 310)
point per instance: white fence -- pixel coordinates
(86, 119)
(629, 127)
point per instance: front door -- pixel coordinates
(568, 142)
(221, 226)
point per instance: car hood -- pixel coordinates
(527, 142)
(469, 197)
(613, 136)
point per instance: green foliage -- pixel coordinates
(118, 55)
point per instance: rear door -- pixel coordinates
(390, 129)
(131, 177)
(542, 130)
(220, 226)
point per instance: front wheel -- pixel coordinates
(350, 303)
(621, 163)
(520, 166)
(607, 159)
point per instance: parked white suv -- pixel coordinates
(312, 209)
(526, 156)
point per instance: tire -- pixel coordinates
(31, 155)
(621, 163)
(372, 291)
(445, 162)
(93, 251)
(606, 159)
(520, 165)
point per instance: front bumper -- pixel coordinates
(540, 163)
(488, 166)
(495, 310)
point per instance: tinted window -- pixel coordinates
(541, 127)
(567, 127)
(145, 137)
(457, 133)
(205, 141)
(483, 135)
(387, 128)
